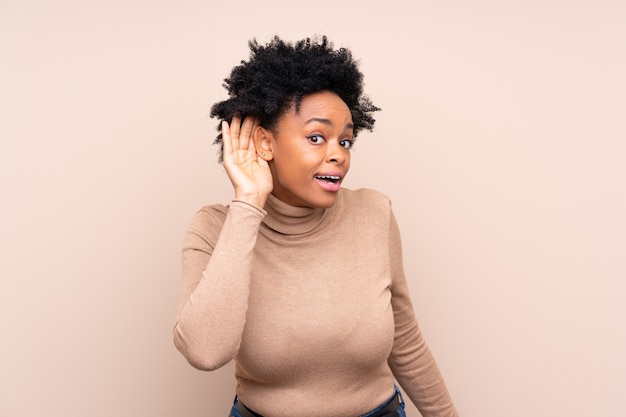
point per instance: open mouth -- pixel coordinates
(329, 178)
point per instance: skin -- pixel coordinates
(295, 160)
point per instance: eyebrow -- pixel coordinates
(327, 122)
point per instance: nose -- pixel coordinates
(336, 153)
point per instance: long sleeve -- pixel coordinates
(217, 260)
(411, 361)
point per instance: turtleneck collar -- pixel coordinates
(290, 220)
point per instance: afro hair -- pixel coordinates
(279, 74)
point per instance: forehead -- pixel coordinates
(323, 104)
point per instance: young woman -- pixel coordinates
(299, 280)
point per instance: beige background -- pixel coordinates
(501, 142)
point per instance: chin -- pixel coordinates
(325, 202)
(319, 200)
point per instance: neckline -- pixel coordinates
(290, 220)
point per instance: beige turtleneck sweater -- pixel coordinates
(312, 304)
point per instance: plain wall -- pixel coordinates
(502, 143)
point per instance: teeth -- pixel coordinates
(328, 177)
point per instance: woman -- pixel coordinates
(299, 280)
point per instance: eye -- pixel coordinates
(347, 143)
(315, 139)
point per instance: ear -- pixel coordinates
(263, 143)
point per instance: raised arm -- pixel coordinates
(217, 257)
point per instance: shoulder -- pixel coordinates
(212, 214)
(368, 207)
(367, 199)
(208, 221)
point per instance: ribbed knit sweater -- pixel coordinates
(312, 304)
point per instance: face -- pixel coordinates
(311, 151)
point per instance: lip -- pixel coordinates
(332, 187)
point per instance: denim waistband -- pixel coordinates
(393, 407)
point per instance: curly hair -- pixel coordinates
(279, 74)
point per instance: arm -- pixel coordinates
(216, 278)
(217, 260)
(411, 361)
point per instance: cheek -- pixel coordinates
(346, 163)
(289, 169)
(301, 161)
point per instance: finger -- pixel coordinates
(252, 146)
(235, 126)
(245, 137)
(226, 142)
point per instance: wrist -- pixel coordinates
(257, 200)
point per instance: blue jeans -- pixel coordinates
(234, 412)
